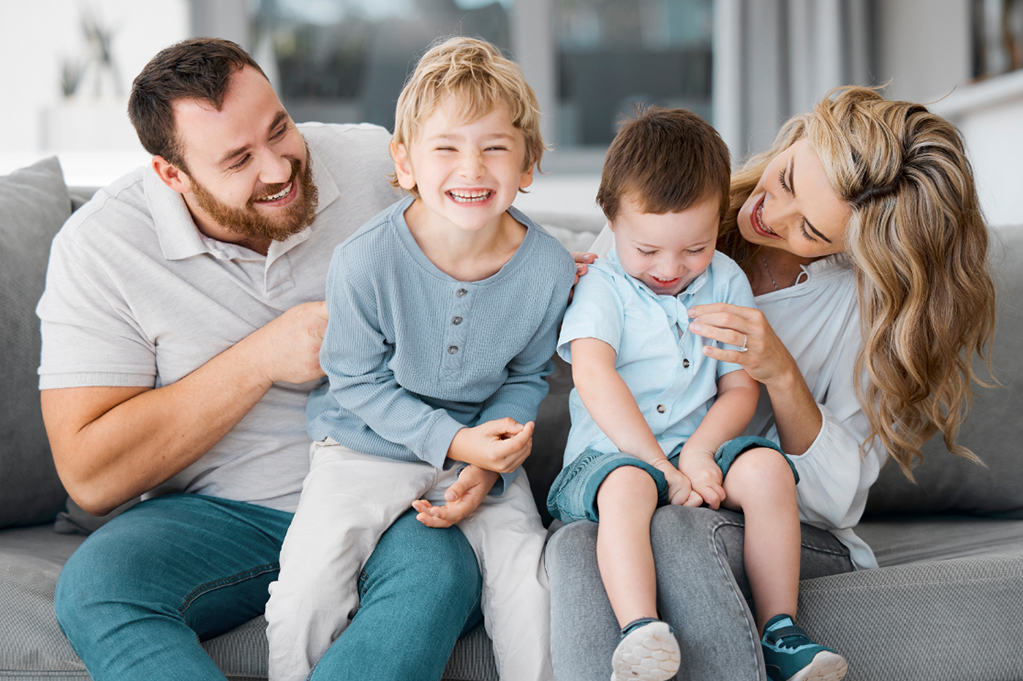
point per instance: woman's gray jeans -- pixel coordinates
(702, 593)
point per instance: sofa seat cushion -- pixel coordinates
(30, 640)
(911, 539)
(34, 203)
(944, 604)
(954, 620)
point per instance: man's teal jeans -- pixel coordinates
(141, 592)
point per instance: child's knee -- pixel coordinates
(627, 484)
(760, 468)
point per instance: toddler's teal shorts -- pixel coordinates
(573, 495)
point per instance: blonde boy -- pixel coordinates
(654, 420)
(443, 320)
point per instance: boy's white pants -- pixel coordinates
(348, 500)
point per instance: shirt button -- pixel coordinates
(456, 320)
(660, 409)
(452, 349)
(461, 293)
(685, 364)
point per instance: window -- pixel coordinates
(346, 60)
(997, 37)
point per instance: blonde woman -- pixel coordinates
(862, 237)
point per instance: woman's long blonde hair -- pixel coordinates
(918, 243)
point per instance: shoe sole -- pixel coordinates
(648, 654)
(825, 666)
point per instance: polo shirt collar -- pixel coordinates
(181, 239)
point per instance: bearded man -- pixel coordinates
(181, 325)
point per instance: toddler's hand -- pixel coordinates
(462, 498)
(500, 445)
(704, 475)
(680, 490)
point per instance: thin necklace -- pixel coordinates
(764, 260)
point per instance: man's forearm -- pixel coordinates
(112, 444)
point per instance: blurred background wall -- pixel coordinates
(745, 65)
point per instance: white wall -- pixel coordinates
(990, 116)
(34, 39)
(922, 47)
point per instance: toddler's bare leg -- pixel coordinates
(760, 484)
(626, 502)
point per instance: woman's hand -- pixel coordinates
(768, 361)
(766, 358)
(581, 261)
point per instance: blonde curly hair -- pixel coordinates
(479, 79)
(918, 243)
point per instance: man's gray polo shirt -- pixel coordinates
(137, 296)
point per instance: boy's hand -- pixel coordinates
(680, 490)
(500, 445)
(704, 475)
(462, 498)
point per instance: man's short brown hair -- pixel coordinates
(666, 160)
(198, 68)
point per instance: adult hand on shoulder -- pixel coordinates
(582, 260)
(463, 497)
(288, 348)
(500, 445)
(766, 358)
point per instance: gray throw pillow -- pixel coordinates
(34, 203)
(993, 429)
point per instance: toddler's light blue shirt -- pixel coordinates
(660, 360)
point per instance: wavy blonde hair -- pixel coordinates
(918, 243)
(480, 79)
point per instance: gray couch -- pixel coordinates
(946, 604)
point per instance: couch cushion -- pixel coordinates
(30, 640)
(954, 620)
(915, 539)
(993, 429)
(34, 203)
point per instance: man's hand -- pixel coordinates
(500, 445)
(462, 498)
(704, 474)
(288, 348)
(680, 490)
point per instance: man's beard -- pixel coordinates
(250, 222)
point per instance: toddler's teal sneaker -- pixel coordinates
(790, 655)
(648, 651)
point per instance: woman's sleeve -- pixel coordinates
(835, 474)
